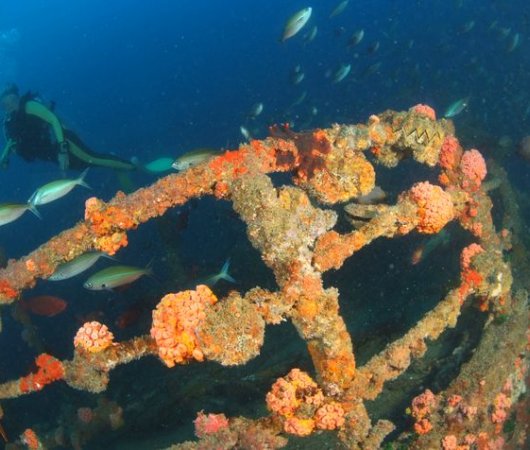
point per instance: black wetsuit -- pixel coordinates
(32, 135)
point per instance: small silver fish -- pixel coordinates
(504, 32)
(311, 35)
(159, 165)
(297, 77)
(296, 23)
(468, 26)
(222, 275)
(76, 266)
(373, 47)
(192, 158)
(371, 69)
(115, 276)
(339, 9)
(12, 211)
(245, 133)
(256, 110)
(456, 108)
(341, 73)
(514, 42)
(356, 38)
(56, 189)
(376, 195)
(300, 99)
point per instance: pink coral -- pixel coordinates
(501, 405)
(423, 426)
(469, 412)
(449, 442)
(282, 398)
(502, 401)
(290, 392)
(498, 415)
(175, 320)
(454, 400)
(424, 110)
(85, 414)
(473, 168)
(422, 404)
(496, 444)
(474, 227)
(470, 439)
(449, 153)
(296, 398)
(93, 337)
(435, 207)
(468, 253)
(30, 438)
(330, 416)
(209, 423)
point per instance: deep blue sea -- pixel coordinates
(143, 80)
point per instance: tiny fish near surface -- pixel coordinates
(296, 23)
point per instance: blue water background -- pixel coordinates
(150, 79)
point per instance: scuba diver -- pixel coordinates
(33, 131)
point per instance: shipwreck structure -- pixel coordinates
(293, 228)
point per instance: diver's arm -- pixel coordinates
(4, 157)
(38, 109)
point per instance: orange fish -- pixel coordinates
(44, 305)
(427, 247)
(417, 256)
